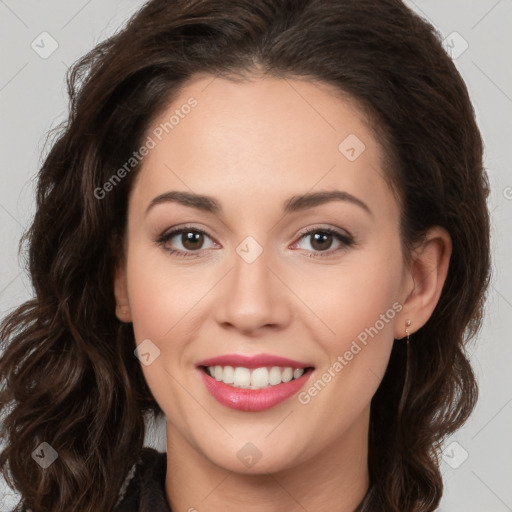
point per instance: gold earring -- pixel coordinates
(407, 324)
(407, 376)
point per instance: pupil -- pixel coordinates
(320, 238)
(190, 238)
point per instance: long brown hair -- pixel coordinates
(68, 373)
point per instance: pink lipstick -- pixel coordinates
(273, 378)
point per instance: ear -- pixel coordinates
(423, 281)
(123, 311)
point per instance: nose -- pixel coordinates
(253, 297)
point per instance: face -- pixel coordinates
(255, 273)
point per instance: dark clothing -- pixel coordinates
(146, 488)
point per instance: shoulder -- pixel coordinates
(144, 486)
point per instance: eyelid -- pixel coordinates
(325, 229)
(168, 233)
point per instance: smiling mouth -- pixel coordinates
(254, 378)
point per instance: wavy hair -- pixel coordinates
(68, 373)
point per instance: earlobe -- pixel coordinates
(425, 280)
(123, 311)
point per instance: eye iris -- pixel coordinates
(321, 238)
(190, 237)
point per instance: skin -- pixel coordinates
(251, 146)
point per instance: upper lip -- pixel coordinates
(255, 361)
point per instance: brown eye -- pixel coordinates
(186, 242)
(321, 241)
(192, 240)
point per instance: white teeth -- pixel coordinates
(242, 377)
(297, 373)
(287, 374)
(275, 375)
(257, 378)
(228, 374)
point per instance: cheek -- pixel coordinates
(354, 308)
(162, 300)
(161, 297)
(348, 299)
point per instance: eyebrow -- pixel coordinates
(293, 204)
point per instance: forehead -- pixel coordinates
(262, 139)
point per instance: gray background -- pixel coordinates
(477, 462)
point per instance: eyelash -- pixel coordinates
(345, 239)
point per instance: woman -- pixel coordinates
(266, 221)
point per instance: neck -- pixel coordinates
(336, 478)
